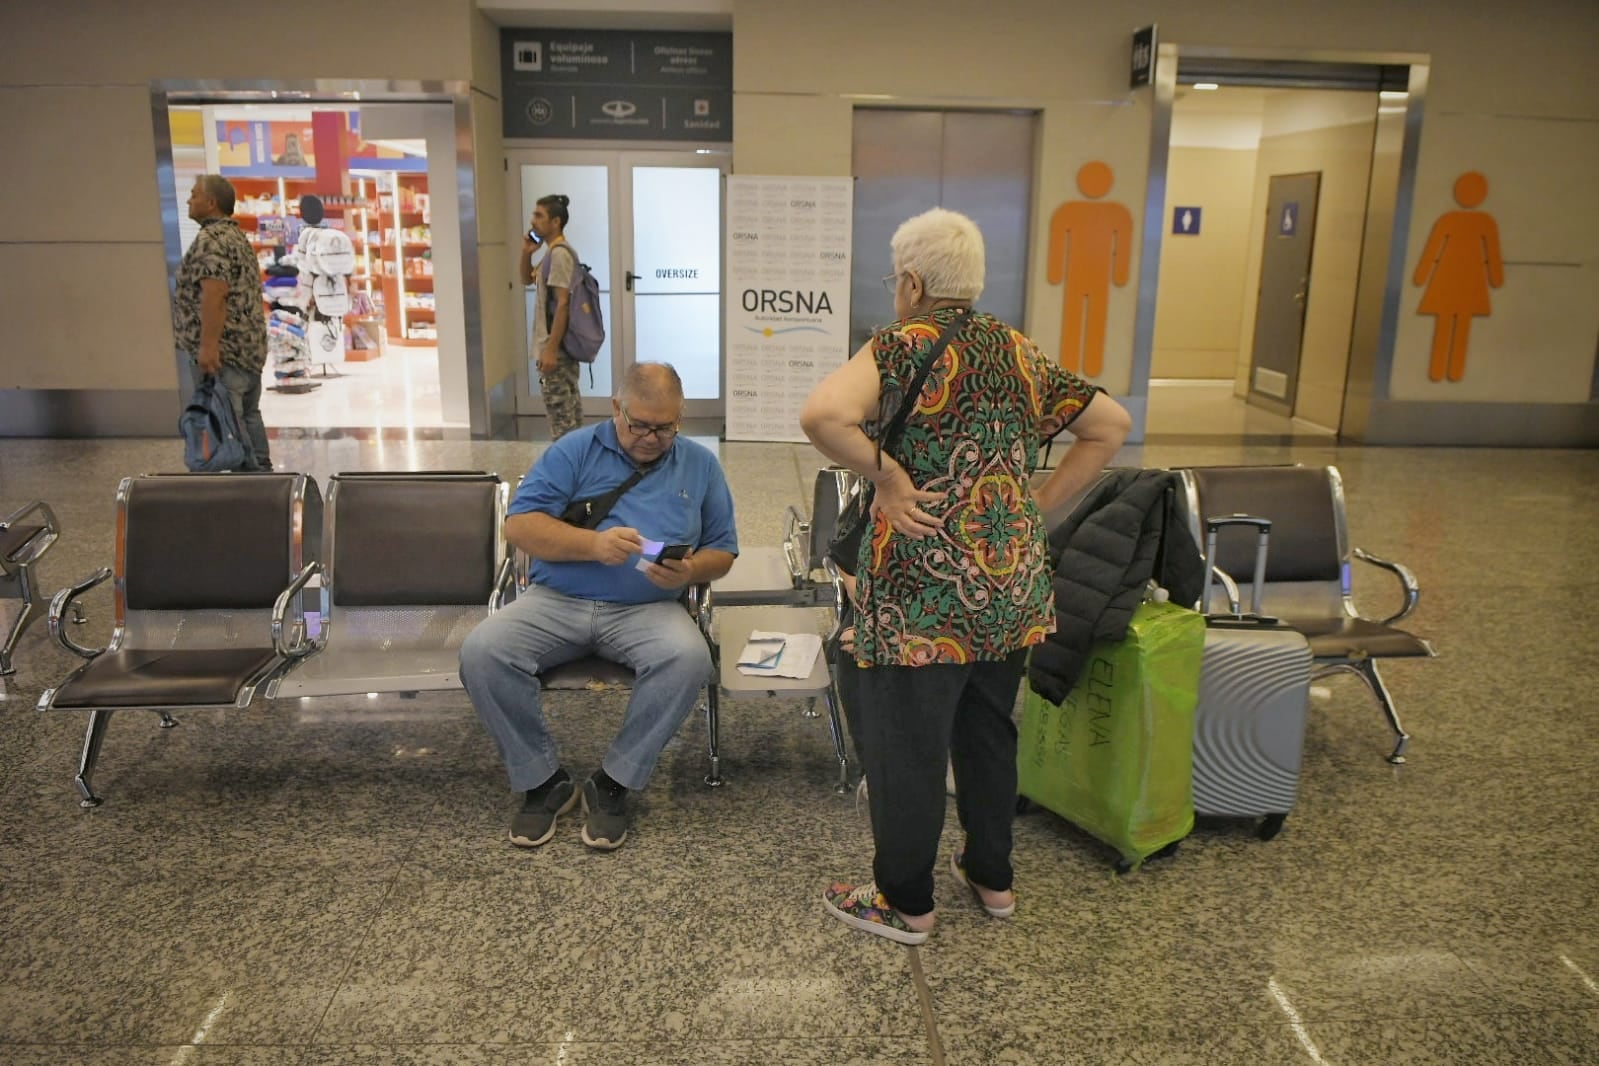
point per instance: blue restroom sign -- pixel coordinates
(1185, 221)
(1288, 224)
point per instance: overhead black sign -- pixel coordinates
(617, 85)
(1143, 71)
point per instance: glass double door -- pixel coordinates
(649, 227)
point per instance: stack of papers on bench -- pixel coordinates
(780, 654)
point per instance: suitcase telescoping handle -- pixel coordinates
(1212, 527)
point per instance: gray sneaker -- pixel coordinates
(606, 813)
(534, 824)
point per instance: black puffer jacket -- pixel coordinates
(1104, 553)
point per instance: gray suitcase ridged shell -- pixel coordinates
(1249, 727)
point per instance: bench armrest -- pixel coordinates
(794, 526)
(58, 608)
(1406, 579)
(840, 600)
(504, 584)
(302, 645)
(27, 509)
(697, 599)
(38, 545)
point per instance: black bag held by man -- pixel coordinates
(856, 517)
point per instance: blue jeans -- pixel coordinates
(244, 389)
(502, 658)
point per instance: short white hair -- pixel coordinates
(944, 249)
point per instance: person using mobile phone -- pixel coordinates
(582, 515)
(552, 298)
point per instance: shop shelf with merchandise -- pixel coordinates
(406, 275)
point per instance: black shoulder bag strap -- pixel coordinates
(889, 439)
(589, 513)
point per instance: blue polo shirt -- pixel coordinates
(682, 500)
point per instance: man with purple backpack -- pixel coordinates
(552, 314)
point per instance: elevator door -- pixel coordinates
(979, 163)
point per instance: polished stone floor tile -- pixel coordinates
(1547, 1038)
(150, 1055)
(1037, 1041)
(329, 880)
(566, 941)
(578, 1051)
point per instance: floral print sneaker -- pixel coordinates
(863, 907)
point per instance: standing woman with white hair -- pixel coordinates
(952, 576)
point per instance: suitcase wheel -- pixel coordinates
(1270, 826)
(1124, 867)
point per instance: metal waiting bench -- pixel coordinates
(22, 545)
(783, 586)
(213, 573)
(209, 571)
(414, 561)
(1307, 582)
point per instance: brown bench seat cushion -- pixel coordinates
(1342, 638)
(153, 678)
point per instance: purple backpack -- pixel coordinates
(585, 324)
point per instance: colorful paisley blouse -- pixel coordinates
(979, 588)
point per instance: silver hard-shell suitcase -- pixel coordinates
(1254, 692)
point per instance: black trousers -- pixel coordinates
(909, 721)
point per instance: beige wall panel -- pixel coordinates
(1344, 155)
(1536, 347)
(486, 56)
(1199, 311)
(1539, 341)
(500, 350)
(1192, 362)
(792, 135)
(101, 42)
(81, 316)
(488, 149)
(56, 138)
(1484, 61)
(1071, 134)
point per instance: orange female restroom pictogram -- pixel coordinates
(1460, 263)
(1089, 248)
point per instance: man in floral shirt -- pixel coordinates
(217, 314)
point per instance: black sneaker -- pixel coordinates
(606, 813)
(534, 824)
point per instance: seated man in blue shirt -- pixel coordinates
(593, 594)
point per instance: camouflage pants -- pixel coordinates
(563, 405)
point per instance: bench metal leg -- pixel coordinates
(92, 739)
(25, 587)
(1366, 670)
(712, 723)
(837, 729)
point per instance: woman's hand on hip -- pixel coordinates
(902, 502)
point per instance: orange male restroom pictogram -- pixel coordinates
(1460, 263)
(1089, 248)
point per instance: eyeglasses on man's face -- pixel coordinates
(663, 432)
(891, 281)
